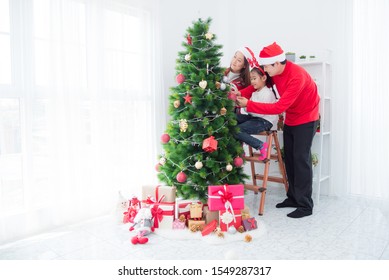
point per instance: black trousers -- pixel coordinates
(298, 163)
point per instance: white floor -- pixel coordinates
(340, 228)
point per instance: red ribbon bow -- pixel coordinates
(252, 223)
(224, 194)
(157, 214)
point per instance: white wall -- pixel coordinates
(304, 26)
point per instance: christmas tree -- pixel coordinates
(199, 146)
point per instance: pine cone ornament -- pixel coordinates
(248, 238)
(241, 229)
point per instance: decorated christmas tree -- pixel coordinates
(199, 146)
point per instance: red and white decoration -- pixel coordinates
(271, 54)
(226, 197)
(228, 219)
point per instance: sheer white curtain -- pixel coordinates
(368, 141)
(79, 105)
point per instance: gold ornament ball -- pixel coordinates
(176, 103)
(229, 167)
(223, 111)
(162, 160)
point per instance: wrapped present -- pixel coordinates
(209, 228)
(210, 144)
(163, 215)
(156, 192)
(209, 215)
(228, 219)
(199, 224)
(245, 213)
(183, 207)
(250, 224)
(225, 197)
(196, 210)
(178, 224)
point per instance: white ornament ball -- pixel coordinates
(187, 57)
(225, 79)
(199, 165)
(222, 86)
(231, 230)
(162, 160)
(229, 167)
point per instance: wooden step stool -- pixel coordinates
(254, 157)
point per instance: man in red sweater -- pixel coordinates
(299, 99)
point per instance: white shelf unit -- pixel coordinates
(322, 74)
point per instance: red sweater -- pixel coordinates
(299, 97)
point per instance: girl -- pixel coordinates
(238, 74)
(253, 123)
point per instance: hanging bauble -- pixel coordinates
(181, 177)
(199, 165)
(210, 144)
(162, 160)
(223, 111)
(229, 167)
(225, 79)
(231, 96)
(231, 230)
(157, 167)
(165, 138)
(183, 125)
(176, 103)
(217, 84)
(180, 78)
(209, 36)
(203, 84)
(189, 39)
(238, 161)
(222, 86)
(188, 57)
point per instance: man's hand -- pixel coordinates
(241, 101)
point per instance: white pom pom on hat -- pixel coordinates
(271, 54)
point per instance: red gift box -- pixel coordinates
(228, 219)
(225, 197)
(250, 224)
(210, 144)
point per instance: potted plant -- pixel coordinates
(302, 57)
(290, 56)
(312, 57)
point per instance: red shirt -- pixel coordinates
(299, 97)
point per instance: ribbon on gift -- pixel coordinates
(251, 222)
(157, 214)
(226, 197)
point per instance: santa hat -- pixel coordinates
(249, 55)
(271, 54)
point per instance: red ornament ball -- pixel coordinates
(238, 161)
(157, 166)
(165, 138)
(181, 177)
(180, 78)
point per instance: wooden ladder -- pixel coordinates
(254, 158)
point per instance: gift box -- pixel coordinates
(163, 215)
(209, 215)
(250, 224)
(178, 224)
(128, 217)
(209, 228)
(198, 223)
(225, 197)
(228, 219)
(245, 213)
(183, 207)
(196, 210)
(156, 192)
(210, 144)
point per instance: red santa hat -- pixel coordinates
(271, 54)
(249, 55)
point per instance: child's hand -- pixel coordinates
(241, 101)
